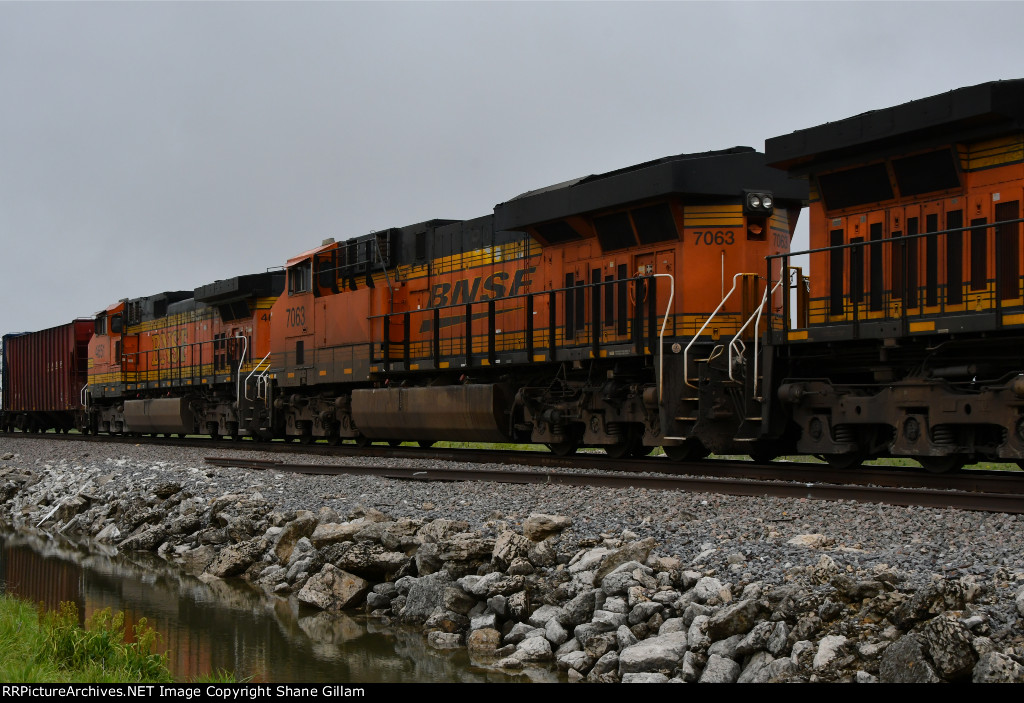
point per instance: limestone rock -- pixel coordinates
(720, 670)
(996, 667)
(539, 526)
(654, 654)
(738, 618)
(302, 526)
(948, 643)
(508, 547)
(483, 641)
(333, 589)
(904, 662)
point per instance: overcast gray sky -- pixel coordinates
(161, 146)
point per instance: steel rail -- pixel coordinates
(920, 497)
(984, 481)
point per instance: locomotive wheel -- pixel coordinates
(690, 450)
(632, 446)
(621, 450)
(942, 464)
(566, 448)
(641, 450)
(845, 461)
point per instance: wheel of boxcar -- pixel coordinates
(362, 441)
(689, 450)
(394, 442)
(426, 443)
(942, 464)
(842, 462)
(565, 448)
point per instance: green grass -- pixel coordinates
(39, 646)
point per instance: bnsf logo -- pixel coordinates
(480, 288)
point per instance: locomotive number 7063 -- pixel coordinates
(710, 238)
(297, 317)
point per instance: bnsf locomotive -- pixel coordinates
(656, 305)
(910, 338)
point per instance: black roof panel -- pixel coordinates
(713, 173)
(978, 111)
(269, 283)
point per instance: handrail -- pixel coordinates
(737, 342)
(83, 396)
(254, 370)
(757, 337)
(241, 360)
(686, 352)
(661, 334)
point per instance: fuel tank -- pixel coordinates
(472, 412)
(168, 415)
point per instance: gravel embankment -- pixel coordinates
(725, 533)
(736, 539)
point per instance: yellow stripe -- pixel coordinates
(801, 334)
(713, 216)
(922, 326)
(995, 152)
(1017, 319)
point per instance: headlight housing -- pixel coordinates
(758, 202)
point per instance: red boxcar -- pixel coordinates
(43, 376)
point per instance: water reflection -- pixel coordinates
(218, 625)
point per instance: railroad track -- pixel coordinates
(999, 491)
(1002, 496)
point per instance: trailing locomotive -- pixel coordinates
(175, 362)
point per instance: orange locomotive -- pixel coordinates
(909, 340)
(175, 362)
(579, 314)
(620, 310)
